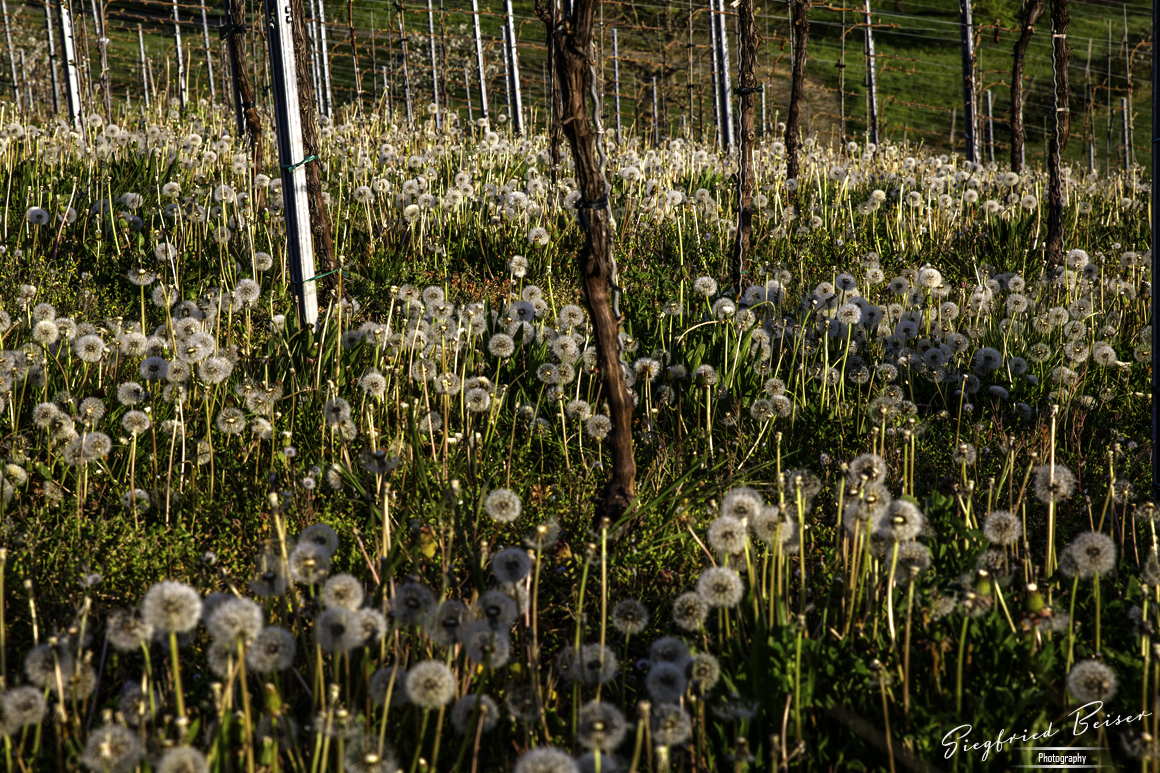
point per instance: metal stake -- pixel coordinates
(616, 80)
(514, 70)
(52, 59)
(144, 64)
(181, 84)
(434, 64)
(968, 46)
(69, 54)
(479, 61)
(871, 79)
(288, 122)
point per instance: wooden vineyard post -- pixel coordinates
(244, 102)
(292, 156)
(483, 112)
(1018, 132)
(1154, 302)
(746, 89)
(68, 53)
(1060, 127)
(800, 36)
(576, 69)
(406, 71)
(548, 13)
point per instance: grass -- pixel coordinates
(835, 653)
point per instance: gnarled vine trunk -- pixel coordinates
(573, 47)
(1033, 10)
(1061, 128)
(801, 33)
(747, 87)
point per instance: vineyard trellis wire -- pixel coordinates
(663, 59)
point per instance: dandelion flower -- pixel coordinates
(487, 646)
(338, 630)
(720, 587)
(705, 286)
(902, 522)
(474, 712)
(1053, 483)
(671, 725)
(497, 608)
(1091, 680)
(321, 536)
(1092, 553)
(1002, 527)
(704, 671)
(511, 565)
(430, 685)
(598, 426)
(183, 759)
(112, 749)
(503, 505)
(595, 664)
(342, 590)
(235, 618)
(381, 680)
(22, 707)
(666, 682)
(412, 603)
(172, 607)
(601, 726)
(89, 348)
(449, 622)
(630, 617)
(272, 650)
(727, 535)
(546, 759)
(690, 611)
(523, 703)
(309, 564)
(127, 630)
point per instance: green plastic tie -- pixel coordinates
(328, 273)
(308, 159)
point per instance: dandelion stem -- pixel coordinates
(1096, 593)
(890, 594)
(959, 668)
(906, 646)
(419, 742)
(1071, 624)
(179, 695)
(886, 716)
